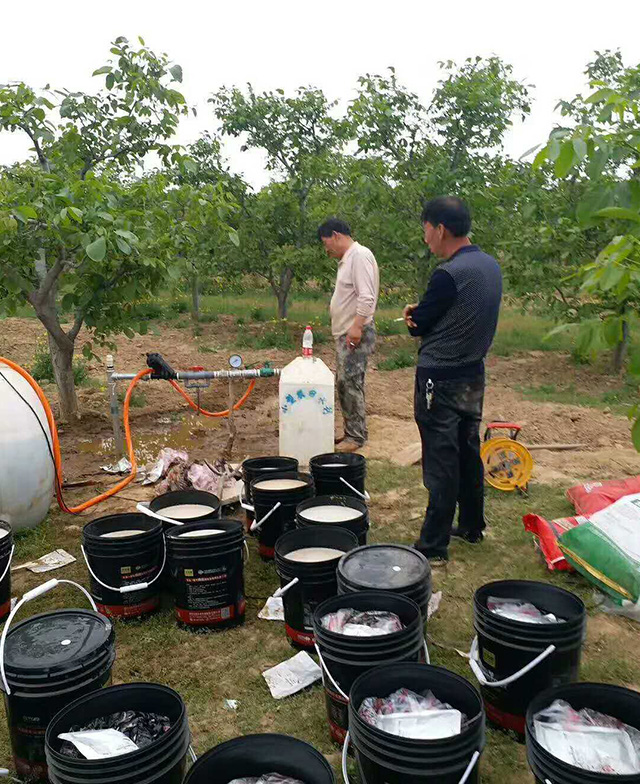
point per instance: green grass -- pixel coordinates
(525, 332)
(42, 367)
(206, 669)
(398, 358)
(618, 399)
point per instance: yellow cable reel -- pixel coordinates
(508, 464)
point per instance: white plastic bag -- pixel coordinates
(292, 676)
(516, 610)
(100, 744)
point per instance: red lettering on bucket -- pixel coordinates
(129, 611)
(266, 552)
(301, 638)
(338, 734)
(202, 617)
(5, 609)
(507, 721)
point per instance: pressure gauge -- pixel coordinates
(235, 360)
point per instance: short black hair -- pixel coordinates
(451, 212)
(327, 228)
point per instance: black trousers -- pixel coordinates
(451, 465)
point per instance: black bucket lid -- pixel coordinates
(54, 644)
(392, 567)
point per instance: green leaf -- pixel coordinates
(176, 72)
(634, 363)
(635, 434)
(123, 245)
(565, 160)
(233, 236)
(75, 213)
(611, 277)
(110, 81)
(612, 331)
(580, 148)
(24, 213)
(97, 250)
(105, 69)
(618, 212)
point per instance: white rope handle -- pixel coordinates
(40, 590)
(192, 754)
(255, 524)
(281, 591)
(324, 669)
(249, 507)
(247, 552)
(427, 658)
(4, 574)
(128, 588)
(474, 662)
(146, 511)
(465, 775)
(365, 496)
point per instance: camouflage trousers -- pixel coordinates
(351, 367)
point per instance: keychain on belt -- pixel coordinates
(429, 394)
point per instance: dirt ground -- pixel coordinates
(161, 418)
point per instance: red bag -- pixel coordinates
(547, 533)
(593, 496)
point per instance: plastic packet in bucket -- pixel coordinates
(517, 610)
(356, 623)
(99, 744)
(268, 778)
(141, 728)
(410, 715)
(588, 739)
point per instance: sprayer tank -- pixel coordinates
(26, 468)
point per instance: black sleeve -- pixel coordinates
(438, 298)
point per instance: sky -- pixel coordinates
(281, 43)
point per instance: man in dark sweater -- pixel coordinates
(456, 319)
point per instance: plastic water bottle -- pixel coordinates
(307, 343)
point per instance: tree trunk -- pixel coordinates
(620, 353)
(195, 298)
(282, 292)
(62, 360)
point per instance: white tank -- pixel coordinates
(26, 469)
(307, 402)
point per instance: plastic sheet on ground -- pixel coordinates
(626, 609)
(410, 715)
(516, 610)
(587, 739)
(140, 727)
(547, 533)
(358, 623)
(47, 563)
(123, 466)
(606, 550)
(273, 609)
(99, 744)
(166, 458)
(292, 675)
(267, 778)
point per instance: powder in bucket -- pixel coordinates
(332, 465)
(279, 484)
(330, 514)
(121, 534)
(267, 778)
(185, 511)
(3, 533)
(202, 532)
(314, 554)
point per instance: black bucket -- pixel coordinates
(161, 762)
(505, 647)
(389, 759)
(256, 755)
(354, 519)
(621, 704)
(283, 519)
(6, 551)
(123, 561)
(330, 469)
(255, 467)
(207, 573)
(387, 567)
(50, 659)
(164, 505)
(316, 580)
(345, 658)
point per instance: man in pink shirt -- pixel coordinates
(352, 310)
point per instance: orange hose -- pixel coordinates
(224, 413)
(127, 433)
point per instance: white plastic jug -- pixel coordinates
(26, 469)
(307, 403)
